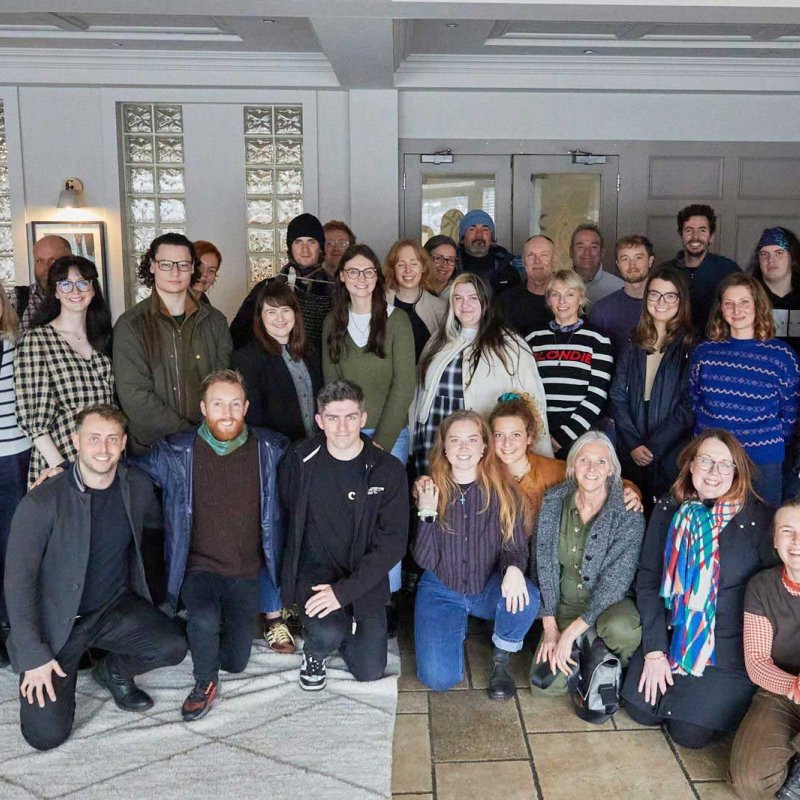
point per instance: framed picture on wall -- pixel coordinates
(86, 239)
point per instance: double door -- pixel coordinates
(525, 195)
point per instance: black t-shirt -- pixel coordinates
(786, 313)
(418, 327)
(330, 525)
(524, 311)
(108, 569)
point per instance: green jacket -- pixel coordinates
(159, 390)
(388, 383)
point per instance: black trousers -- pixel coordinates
(364, 651)
(139, 638)
(221, 616)
(693, 737)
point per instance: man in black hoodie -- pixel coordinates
(347, 504)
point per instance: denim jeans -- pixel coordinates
(269, 594)
(768, 483)
(400, 452)
(220, 622)
(13, 485)
(440, 626)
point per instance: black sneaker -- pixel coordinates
(791, 789)
(313, 675)
(199, 701)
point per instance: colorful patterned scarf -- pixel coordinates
(691, 582)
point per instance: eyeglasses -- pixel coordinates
(439, 260)
(706, 464)
(168, 266)
(670, 298)
(338, 244)
(354, 274)
(65, 287)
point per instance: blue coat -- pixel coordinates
(169, 465)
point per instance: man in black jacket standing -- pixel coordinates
(75, 579)
(347, 504)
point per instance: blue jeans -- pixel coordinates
(400, 452)
(13, 485)
(269, 595)
(440, 626)
(768, 483)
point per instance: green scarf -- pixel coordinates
(221, 448)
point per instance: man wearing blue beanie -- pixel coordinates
(479, 253)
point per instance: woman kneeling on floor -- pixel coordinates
(704, 541)
(472, 545)
(585, 555)
(769, 737)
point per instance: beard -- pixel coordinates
(225, 434)
(477, 248)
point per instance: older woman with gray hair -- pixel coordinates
(584, 558)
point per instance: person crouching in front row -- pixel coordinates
(222, 521)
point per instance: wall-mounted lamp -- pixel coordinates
(70, 194)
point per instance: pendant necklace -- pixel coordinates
(463, 498)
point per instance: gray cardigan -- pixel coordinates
(610, 558)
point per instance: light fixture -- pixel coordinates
(588, 52)
(451, 24)
(269, 21)
(70, 194)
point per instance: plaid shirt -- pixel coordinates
(52, 382)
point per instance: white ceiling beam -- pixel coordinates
(361, 51)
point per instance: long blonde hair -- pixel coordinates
(9, 321)
(489, 477)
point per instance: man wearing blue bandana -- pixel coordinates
(479, 253)
(223, 528)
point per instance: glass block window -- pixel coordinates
(155, 192)
(273, 139)
(7, 277)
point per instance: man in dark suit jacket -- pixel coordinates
(75, 579)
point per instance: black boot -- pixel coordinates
(501, 682)
(791, 789)
(126, 694)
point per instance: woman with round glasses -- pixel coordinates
(408, 273)
(703, 543)
(776, 266)
(444, 257)
(575, 362)
(63, 362)
(746, 381)
(650, 402)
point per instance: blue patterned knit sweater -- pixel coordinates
(750, 388)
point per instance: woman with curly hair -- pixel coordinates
(62, 361)
(746, 381)
(472, 545)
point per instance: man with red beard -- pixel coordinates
(702, 269)
(223, 527)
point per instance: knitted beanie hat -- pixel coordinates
(305, 225)
(475, 217)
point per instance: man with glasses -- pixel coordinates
(166, 345)
(338, 237)
(616, 315)
(29, 299)
(305, 240)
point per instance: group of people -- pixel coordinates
(603, 453)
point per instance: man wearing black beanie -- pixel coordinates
(305, 243)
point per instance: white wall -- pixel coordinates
(601, 115)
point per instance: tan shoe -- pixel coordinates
(278, 636)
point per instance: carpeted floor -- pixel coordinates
(266, 738)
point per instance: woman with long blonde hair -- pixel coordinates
(471, 542)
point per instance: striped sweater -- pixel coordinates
(576, 372)
(12, 439)
(750, 388)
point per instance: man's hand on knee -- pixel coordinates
(36, 681)
(322, 602)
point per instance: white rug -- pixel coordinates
(265, 739)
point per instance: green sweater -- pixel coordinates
(388, 383)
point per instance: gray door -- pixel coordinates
(552, 196)
(436, 196)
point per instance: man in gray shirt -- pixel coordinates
(586, 252)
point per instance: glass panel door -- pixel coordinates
(437, 196)
(553, 196)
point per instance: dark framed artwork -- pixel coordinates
(86, 239)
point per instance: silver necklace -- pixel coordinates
(463, 498)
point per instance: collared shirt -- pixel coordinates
(571, 544)
(602, 285)
(301, 378)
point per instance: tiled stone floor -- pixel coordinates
(462, 746)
